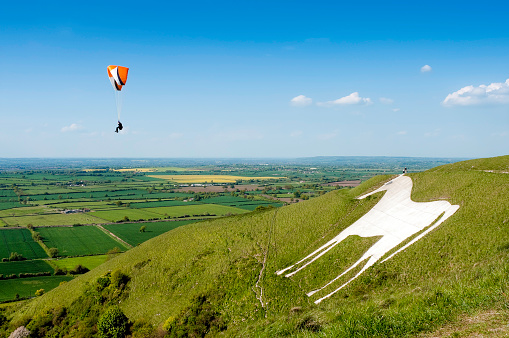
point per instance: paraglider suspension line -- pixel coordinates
(118, 100)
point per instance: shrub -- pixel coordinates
(113, 323)
(3, 319)
(16, 257)
(39, 292)
(53, 252)
(36, 236)
(196, 321)
(118, 279)
(79, 269)
(102, 282)
(59, 271)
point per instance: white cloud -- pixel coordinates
(301, 101)
(426, 69)
(353, 98)
(501, 134)
(175, 136)
(72, 127)
(403, 132)
(433, 133)
(396, 110)
(296, 133)
(385, 100)
(327, 136)
(494, 93)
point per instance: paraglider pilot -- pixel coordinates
(119, 127)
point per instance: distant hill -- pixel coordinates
(220, 276)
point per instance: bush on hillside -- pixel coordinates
(199, 319)
(113, 323)
(118, 279)
(93, 307)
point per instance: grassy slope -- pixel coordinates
(457, 268)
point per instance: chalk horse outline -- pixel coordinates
(395, 217)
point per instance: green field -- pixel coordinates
(115, 215)
(191, 210)
(130, 232)
(153, 204)
(7, 205)
(24, 211)
(20, 241)
(26, 287)
(90, 262)
(29, 266)
(80, 240)
(52, 219)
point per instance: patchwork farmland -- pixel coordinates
(60, 220)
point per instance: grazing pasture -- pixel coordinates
(153, 204)
(29, 266)
(7, 205)
(115, 215)
(240, 202)
(79, 240)
(26, 287)
(198, 209)
(90, 262)
(24, 211)
(220, 188)
(209, 178)
(130, 232)
(52, 219)
(20, 241)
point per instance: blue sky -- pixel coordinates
(255, 79)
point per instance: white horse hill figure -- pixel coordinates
(395, 217)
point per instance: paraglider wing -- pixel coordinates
(118, 76)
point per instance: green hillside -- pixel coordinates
(218, 276)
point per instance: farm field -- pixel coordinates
(20, 241)
(52, 219)
(7, 205)
(209, 178)
(26, 287)
(115, 215)
(196, 210)
(79, 240)
(90, 262)
(24, 211)
(36, 191)
(130, 232)
(152, 204)
(29, 266)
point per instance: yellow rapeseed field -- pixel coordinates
(209, 178)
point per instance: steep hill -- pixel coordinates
(220, 276)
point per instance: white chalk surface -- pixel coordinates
(396, 217)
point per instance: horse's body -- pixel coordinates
(396, 217)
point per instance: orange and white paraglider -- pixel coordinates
(118, 78)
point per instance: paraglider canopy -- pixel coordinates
(118, 76)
